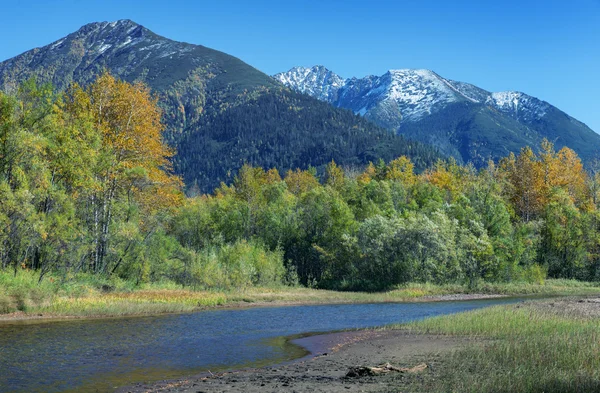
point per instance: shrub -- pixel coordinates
(239, 265)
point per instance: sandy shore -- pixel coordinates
(326, 369)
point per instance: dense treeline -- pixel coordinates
(527, 217)
(86, 186)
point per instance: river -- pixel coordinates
(102, 354)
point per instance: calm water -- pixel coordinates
(100, 355)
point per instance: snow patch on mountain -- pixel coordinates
(104, 47)
(57, 44)
(415, 93)
(471, 92)
(518, 105)
(418, 92)
(316, 81)
(416, 87)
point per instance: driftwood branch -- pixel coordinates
(361, 371)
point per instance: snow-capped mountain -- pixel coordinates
(461, 119)
(414, 93)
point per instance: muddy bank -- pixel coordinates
(579, 307)
(326, 370)
(460, 296)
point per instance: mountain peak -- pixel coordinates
(315, 68)
(316, 81)
(99, 37)
(414, 92)
(120, 26)
(416, 71)
(126, 49)
(113, 24)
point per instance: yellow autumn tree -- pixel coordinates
(401, 169)
(563, 169)
(369, 174)
(573, 177)
(450, 176)
(526, 176)
(334, 176)
(133, 163)
(299, 181)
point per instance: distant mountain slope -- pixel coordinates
(288, 130)
(459, 118)
(219, 111)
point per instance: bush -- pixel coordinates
(21, 290)
(239, 265)
(535, 274)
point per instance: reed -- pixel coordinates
(529, 349)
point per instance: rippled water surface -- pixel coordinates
(100, 355)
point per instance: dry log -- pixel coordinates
(361, 371)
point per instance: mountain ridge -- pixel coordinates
(391, 78)
(423, 105)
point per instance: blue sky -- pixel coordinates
(549, 49)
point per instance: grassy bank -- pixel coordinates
(85, 296)
(548, 346)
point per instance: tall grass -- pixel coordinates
(532, 350)
(22, 291)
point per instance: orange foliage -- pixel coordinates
(449, 176)
(368, 175)
(534, 179)
(299, 182)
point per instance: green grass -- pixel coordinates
(88, 295)
(528, 349)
